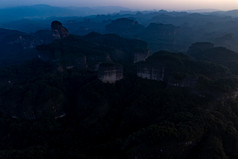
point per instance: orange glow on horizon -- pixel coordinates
(134, 4)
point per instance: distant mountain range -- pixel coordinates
(232, 13)
(162, 30)
(44, 11)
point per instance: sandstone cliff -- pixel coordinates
(110, 72)
(59, 31)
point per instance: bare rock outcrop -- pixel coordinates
(59, 31)
(110, 72)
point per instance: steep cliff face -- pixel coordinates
(170, 77)
(58, 30)
(151, 72)
(169, 68)
(110, 72)
(141, 56)
(180, 70)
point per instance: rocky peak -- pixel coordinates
(59, 31)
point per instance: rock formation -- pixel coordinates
(168, 67)
(161, 73)
(110, 72)
(141, 56)
(59, 31)
(151, 72)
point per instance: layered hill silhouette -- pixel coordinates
(109, 96)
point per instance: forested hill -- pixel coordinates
(103, 96)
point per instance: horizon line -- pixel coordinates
(126, 8)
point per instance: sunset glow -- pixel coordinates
(134, 4)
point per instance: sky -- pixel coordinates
(132, 4)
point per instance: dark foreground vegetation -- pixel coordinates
(133, 118)
(53, 105)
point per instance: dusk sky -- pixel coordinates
(133, 4)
